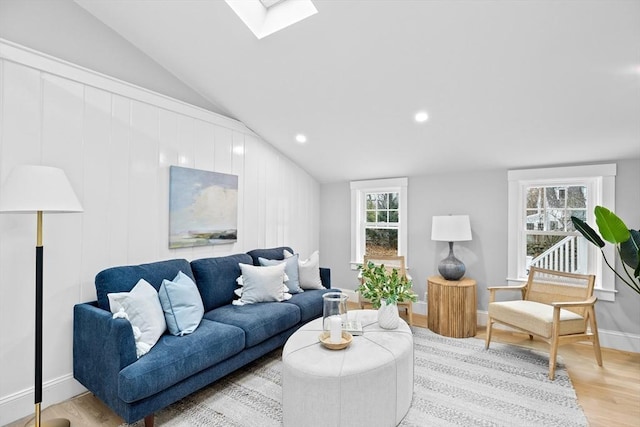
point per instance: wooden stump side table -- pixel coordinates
(452, 307)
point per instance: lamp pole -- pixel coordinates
(39, 189)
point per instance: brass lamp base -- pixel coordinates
(56, 422)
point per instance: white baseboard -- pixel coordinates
(420, 307)
(20, 404)
(622, 341)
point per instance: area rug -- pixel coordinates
(457, 383)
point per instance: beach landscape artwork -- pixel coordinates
(203, 208)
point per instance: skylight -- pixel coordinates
(265, 17)
(268, 3)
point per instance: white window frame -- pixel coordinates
(600, 180)
(359, 189)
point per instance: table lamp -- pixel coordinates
(451, 228)
(38, 189)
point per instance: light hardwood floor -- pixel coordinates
(610, 396)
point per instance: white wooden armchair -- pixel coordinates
(390, 263)
(556, 307)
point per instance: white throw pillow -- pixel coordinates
(262, 284)
(308, 271)
(142, 308)
(182, 304)
(290, 270)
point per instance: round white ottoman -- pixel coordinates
(370, 383)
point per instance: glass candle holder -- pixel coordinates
(334, 304)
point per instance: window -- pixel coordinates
(381, 223)
(541, 203)
(378, 218)
(551, 239)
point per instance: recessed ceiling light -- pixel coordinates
(421, 116)
(301, 138)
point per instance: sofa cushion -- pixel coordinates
(271, 253)
(175, 358)
(258, 321)
(536, 317)
(124, 278)
(141, 307)
(291, 270)
(308, 271)
(216, 278)
(310, 303)
(262, 284)
(181, 304)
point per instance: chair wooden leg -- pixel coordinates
(410, 314)
(148, 421)
(552, 358)
(596, 339)
(530, 337)
(555, 339)
(487, 339)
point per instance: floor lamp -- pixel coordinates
(38, 189)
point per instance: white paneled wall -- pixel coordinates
(116, 143)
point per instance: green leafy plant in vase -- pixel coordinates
(627, 242)
(384, 289)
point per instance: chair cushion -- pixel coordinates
(175, 358)
(536, 317)
(259, 321)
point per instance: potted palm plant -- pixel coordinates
(385, 289)
(616, 232)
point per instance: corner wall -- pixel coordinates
(116, 142)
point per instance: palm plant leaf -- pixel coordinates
(630, 251)
(611, 227)
(588, 232)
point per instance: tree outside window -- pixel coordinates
(378, 218)
(381, 226)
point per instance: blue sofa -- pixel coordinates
(229, 336)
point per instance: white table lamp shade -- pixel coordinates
(451, 228)
(31, 188)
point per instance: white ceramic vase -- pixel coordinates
(388, 316)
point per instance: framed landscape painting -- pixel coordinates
(203, 208)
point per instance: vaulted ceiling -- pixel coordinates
(506, 84)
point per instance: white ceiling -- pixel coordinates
(507, 84)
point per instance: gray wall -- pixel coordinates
(624, 314)
(483, 196)
(65, 30)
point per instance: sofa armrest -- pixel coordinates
(102, 347)
(325, 277)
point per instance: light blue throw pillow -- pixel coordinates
(290, 269)
(182, 304)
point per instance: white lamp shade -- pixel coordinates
(38, 188)
(451, 228)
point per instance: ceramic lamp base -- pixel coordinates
(451, 268)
